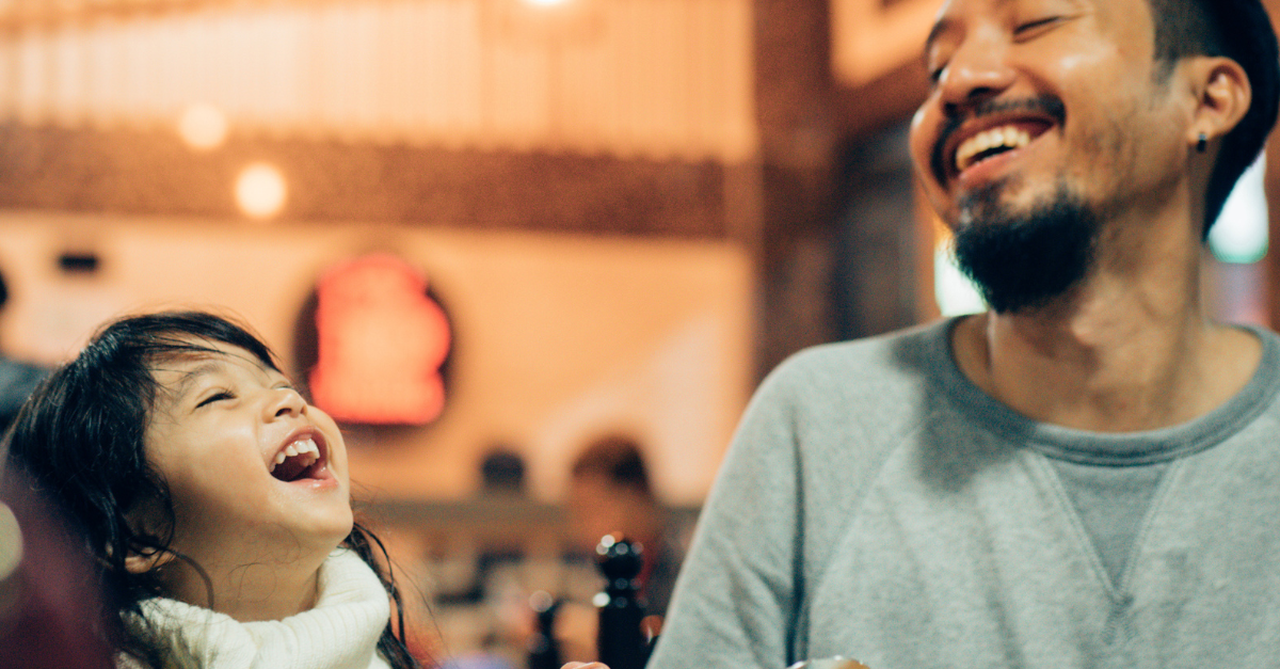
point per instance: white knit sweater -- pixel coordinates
(340, 632)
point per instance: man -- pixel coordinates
(1088, 475)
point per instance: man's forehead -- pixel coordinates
(952, 10)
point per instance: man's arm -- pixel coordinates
(736, 600)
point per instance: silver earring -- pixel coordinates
(1202, 144)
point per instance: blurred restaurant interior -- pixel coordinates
(575, 218)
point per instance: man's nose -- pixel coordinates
(977, 71)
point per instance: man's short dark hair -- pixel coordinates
(1240, 30)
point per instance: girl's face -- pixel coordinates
(254, 471)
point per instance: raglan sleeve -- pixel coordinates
(736, 598)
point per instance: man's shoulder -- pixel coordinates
(918, 348)
(864, 372)
(19, 367)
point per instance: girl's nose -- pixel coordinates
(285, 402)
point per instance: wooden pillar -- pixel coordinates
(1271, 263)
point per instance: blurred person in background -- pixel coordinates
(17, 378)
(610, 493)
(49, 599)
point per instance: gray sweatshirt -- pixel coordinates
(877, 505)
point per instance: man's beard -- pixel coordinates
(1021, 261)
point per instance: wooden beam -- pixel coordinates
(153, 173)
(25, 15)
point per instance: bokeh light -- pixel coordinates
(261, 190)
(203, 127)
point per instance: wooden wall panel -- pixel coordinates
(664, 79)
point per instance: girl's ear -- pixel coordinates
(145, 519)
(141, 563)
(1223, 96)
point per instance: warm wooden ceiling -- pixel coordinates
(654, 79)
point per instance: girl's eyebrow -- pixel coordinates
(190, 377)
(214, 365)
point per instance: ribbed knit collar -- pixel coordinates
(1111, 449)
(340, 632)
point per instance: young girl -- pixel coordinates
(214, 500)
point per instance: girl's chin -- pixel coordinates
(320, 533)
(331, 534)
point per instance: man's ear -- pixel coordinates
(1222, 94)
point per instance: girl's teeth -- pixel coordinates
(306, 447)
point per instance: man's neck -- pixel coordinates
(1114, 356)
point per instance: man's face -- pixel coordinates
(1040, 102)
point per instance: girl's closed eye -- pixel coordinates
(215, 397)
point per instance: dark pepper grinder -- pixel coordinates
(621, 642)
(544, 650)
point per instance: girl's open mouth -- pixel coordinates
(301, 459)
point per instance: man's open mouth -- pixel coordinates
(301, 459)
(990, 143)
(993, 128)
(995, 140)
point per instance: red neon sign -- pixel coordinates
(381, 343)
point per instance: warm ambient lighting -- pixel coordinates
(260, 190)
(546, 3)
(203, 127)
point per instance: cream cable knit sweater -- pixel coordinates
(341, 632)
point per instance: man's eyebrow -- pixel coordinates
(941, 26)
(945, 23)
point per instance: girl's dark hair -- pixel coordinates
(79, 438)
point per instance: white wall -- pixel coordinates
(558, 337)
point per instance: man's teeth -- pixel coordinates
(306, 447)
(1004, 137)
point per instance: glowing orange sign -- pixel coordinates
(381, 343)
